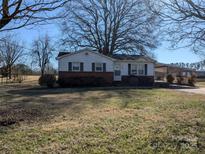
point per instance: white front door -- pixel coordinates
(117, 72)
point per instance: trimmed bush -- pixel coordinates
(138, 81)
(48, 80)
(133, 81)
(170, 78)
(180, 80)
(146, 81)
(192, 80)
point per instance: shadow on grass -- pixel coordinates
(42, 105)
(31, 109)
(39, 91)
(166, 85)
(175, 86)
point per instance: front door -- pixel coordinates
(117, 72)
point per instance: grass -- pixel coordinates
(201, 84)
(101, 120)
(29, 79)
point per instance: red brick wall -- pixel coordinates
(108, 76)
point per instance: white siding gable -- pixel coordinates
(86, 57)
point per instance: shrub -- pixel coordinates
(130, 80)
(48, 80)
(180, 80)
(192, 80)
(61, 82)
(133, 81)
(170, 78)
(146, 81)
(138, 81)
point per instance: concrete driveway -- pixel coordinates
(196, 90)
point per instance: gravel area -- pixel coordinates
(196, 91)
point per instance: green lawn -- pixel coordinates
(118, 120)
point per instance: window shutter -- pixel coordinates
(81, 67)
(104, 67)
(93, 67)
(70, 66)
(145, 69)
(129, 69)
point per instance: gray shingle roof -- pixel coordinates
(126, 57)
(117, 56)
(63, 53)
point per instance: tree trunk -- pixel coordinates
(42, 72)
(9, 72)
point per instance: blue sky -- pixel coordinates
(163, 54)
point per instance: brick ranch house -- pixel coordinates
(88, 67)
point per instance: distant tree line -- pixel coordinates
(197, 66)
(23, 69)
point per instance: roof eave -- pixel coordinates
(60, 57)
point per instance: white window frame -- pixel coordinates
(98, 66)
(137, 67)
(76, 63)
(141, 67)
(134, 69)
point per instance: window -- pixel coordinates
(138, 69)
(117, 72)
(76, 66)
(141, 69)
(99, 67)
(134, 69)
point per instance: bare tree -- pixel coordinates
(110, 26)
(184, 22)
(20, 13)
(42, 52)
(10, 52)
